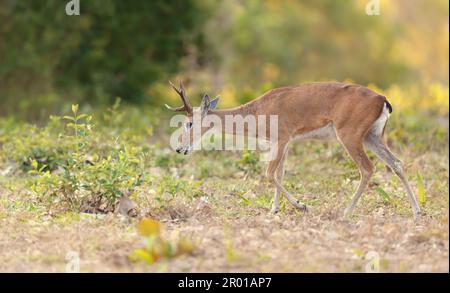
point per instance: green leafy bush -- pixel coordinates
(83, 175)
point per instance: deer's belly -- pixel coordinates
(324, 133)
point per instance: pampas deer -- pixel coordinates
(354, 115)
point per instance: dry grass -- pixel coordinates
(233, 229)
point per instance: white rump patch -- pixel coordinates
(379, 124)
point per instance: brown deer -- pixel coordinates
(354, 115)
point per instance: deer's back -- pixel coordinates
(314, 105)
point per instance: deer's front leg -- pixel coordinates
(274, 165)
(280, 174)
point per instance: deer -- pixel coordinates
(352, 114)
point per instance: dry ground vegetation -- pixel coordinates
(61, 182)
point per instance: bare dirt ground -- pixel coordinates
(233, 230)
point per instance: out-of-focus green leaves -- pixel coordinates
(129, 49)
(113, 48)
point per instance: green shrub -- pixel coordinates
(26, 143)
(169, 189)
(249, 162)
(87, 176)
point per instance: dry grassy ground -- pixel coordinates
(232, 228)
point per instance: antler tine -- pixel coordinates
(180, 91)
(178, 109)
(184, 97)
(175, 88)
(181, 87)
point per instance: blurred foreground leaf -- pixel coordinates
(421, 189)
(157, 247)
(148, 227)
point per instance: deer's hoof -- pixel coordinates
(347, 213)
(417, 214)
(301, 206)
(275, 210)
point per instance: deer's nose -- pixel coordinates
(178, 150)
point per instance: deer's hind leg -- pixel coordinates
(376, 144)
(353, 143)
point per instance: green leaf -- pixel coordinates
(383, 194)
(69, 118)
(168, 250)
(421, 189)
(245, 200)
(82, 116)
(34, 164)
(75, 108)
(42, 168)
(143, 255)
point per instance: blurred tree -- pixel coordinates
(235, 47)
(285, 42)
(114, 48)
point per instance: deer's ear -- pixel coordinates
(204, 106)
(207, 104)
(213, 103)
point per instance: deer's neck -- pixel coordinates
(242, 110)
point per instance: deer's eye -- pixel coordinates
(188, 125)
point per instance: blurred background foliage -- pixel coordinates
(235, 48)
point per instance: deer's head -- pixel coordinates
(194, 117)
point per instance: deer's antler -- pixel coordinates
(186, 105)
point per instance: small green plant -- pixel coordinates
(249, 162)
(44, 183)
(169, 188)
(25, 143)
(230, 253)
(89, 179)
(76, 123)
(248, 198)
(384, 195)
